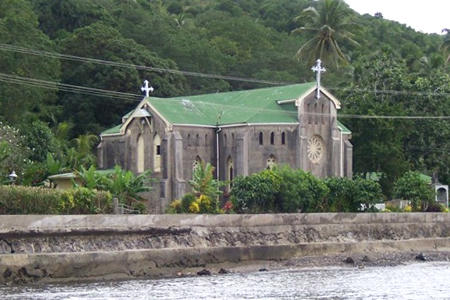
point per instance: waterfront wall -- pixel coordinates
(89, 247)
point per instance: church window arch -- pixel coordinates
(195, 164)
(230, 173)
(271, 162)
(197, 140)
(206, 140)
(283, 138)
(232, 139)
(272, 138)
(261, 138)
(189, 140)
(157, 153)
(140, 154)
(225, 140)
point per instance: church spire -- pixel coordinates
(146, 88)
(318, 68)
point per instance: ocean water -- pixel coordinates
(428, 280)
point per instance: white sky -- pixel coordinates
(428, 16)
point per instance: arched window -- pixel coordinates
(189, 140)
(156, 153)
(283, 138)
(271, 162)
(225, 140)
(140, 155)
(261, 141)
(230, 173)
(195, 164)
(272, 138)
(197, 140)
(206, 140)
(232, 139)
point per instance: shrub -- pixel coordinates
(186, 202)
(412, 187)
(299, 191)
(347, 195)
(175, 207)
(194, 208)
(38, 200)
(255, 193)
(435, 207)
(86, 201)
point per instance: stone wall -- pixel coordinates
(57, 248)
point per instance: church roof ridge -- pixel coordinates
(255, 106)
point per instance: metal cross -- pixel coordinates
(147, 89)
(319, 70)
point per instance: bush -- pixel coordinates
(435, 207)
(255, 193)
(186, 202)
(348, 195)
(190, 204)
(412, 187)
(38, 200)
(299, 191)
(175, 207)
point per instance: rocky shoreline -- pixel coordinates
(373, 259)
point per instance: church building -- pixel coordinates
(239, 133)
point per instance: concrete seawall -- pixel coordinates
(65, 248)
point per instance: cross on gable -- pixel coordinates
(318, 68)
(146, 88)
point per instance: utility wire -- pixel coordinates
(219, 107)
(11, 48)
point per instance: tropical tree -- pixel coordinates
(125, 185)
(203, 181)
(81, 154)
(445, 46)
(326, 26)
(412, 187)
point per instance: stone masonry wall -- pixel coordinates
(156, 243)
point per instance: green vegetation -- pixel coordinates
(205, 196)
(411, 187)
(327, 26)
(386, 69)
(38, 200)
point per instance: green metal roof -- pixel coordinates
(114, 130)
(343, 129)
(250, 106)
(258, 106)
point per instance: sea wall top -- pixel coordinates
(50, 223)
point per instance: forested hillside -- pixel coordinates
(71, 68)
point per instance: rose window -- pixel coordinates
(315, 149)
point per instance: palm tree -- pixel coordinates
(445, 46)
(325, 26)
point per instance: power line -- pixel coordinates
(136, 98)
(66, 87)
(11, 48)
